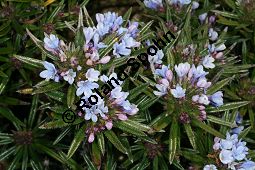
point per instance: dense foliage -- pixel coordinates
(145, 84)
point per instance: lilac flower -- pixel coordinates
(212, 48)
(213, 35)
(217, 98)
(208, 62)
(182, 69)
(210, 167)
(104, 79)
(226, 156)
(92, 74)
(130, 41)
(129, 108)
(51, 43)
(153, 4)
(228, 142)
(237, 130)
(69, 76)
(50, 72)
(133, 29)
(164, 72)
(180, 2)
(85, 87)
(178, 92)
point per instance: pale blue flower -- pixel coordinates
(202, 17)
(130, 41)
(213, 35)
(69, 76)
(157, 58)
(89, 33)
(248, 165)
(85, 87)
(203, 99)
(162, 89)
(197, 72)
(226, 156)
(208, 62)
(178, 92)
(237, 130)
(92, 74)
(182, 69)
(210, 167)
(121, 49)
(50, 72)
(153, 4)
(195, 5)
(217, 99)
(51, 42)
(162, 72)
(240, 152)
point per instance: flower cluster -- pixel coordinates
(158, 4)
(78, 67)
(188, 84)
(232, 151)
(115, 107)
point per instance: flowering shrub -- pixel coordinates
(185, 104)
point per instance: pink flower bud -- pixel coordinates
(108, 125)
(201, 107)
(91, 138)
(89, 62)
(169, 75)
(105, 60)
(80, 114)
(219, 55)
(122, 116)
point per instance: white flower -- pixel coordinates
(51, 42)
(92, 74)
(203, 99)
(208, 62)
(226, 156)
(69, 76)
(178, 92)
(85, 87)
(50, 72)
(157, 58)
(182, 69)
(213, 35)
(210, 167)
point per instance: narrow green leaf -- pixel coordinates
(129, 128)
(243, 134)
(33, 110)
(214, 88)
(101, 143)
(173, 141)
(70, 96)
(207, 128)
(146, 27)
(138, 90)
(62, 135)
(111, 136)
(220, 121)
(7, 153)
(228, 106)
(50, 87)
(191, 135)
(7, 113)
(31, 61)
(79, 137)
(146, 104)
(126, 16)
(90, 165)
